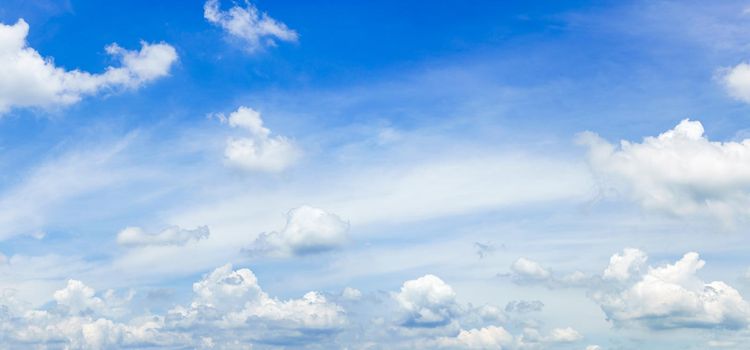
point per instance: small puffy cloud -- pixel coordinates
(259, 151)
(172, 235)
(622, 266)
(427, 302)
(307, 230)
(672, 296)
(680, 171)
(528, 269)
(80, 319)
(736, 81)
(564, 335)
(593, 347)
(491, 337)
(255, 30)
(29, 80)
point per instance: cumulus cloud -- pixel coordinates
(172, 235)
(529, 269)
(259, 151)
(307, 230)
(673, 296)
(79, 319)
(736, 81)
(231, 299)
(29, 80)
(427, 302)
(228, 309)
(679, 171)
(564, 335)
(622, 266)
(490, 337)
(254, 29)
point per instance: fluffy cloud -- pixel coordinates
(29, 80)
(229, 310)
(427, 302)
(490, 337)
(259, 151)
(529, 269)
(254, 29)
(680, 171)
(173, 235)
(523, 306)
(307, 230)
(672, 296)
(622, 266)
(736, 81)
(79, 319)
(564, 335)
(228, 298)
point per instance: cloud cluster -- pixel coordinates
(254, 29)
(228, 299)
(429, 305)
(29, 80)
(259, 151)
(680, 171)
(670, 296)
(307, 230)
(228, 308)
(172, 235)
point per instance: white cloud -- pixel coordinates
(78, 297)
(307, 230)
(228, 298)
(680, 171)
(172, 235)
(81, 320)
(593, 347)
(622, 266)
(228, 309)
(29, 80)
(736, 81)
(254, 29)
(525, 268)
(672, 296)
(564, 335)
(427, 302)
(259, 151)
(490, 337)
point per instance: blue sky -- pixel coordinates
(374, 175)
